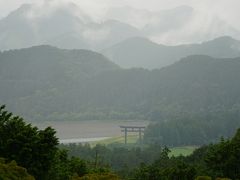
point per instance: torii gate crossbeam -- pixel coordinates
(139, 129)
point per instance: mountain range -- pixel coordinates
(130, 77)
(47, 83)
(65, 26)
(141, 52)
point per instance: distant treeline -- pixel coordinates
(219, 160)
(46, 83)
(193, 129)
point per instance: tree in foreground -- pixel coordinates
(37, 151)
(30, 147)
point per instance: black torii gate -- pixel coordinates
(139, 129)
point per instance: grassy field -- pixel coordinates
(185, 150)
(133, 139)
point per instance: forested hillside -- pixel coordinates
(195, 83)
(198, 95)
(47, 79)
(45, 83)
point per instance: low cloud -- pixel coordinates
(210, 19)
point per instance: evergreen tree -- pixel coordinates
(31, 148)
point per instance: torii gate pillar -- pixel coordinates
(126, 129)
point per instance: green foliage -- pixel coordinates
(224, 158)
(118, 158)
(213, 161)
(166, 168)
(38, 153)
(106, 176)
(183, 150)
(203, 178)
(132, 139)
(64, 167)
(60, 169)
(77, 166)
(11, 171)
(47, 83)
(32, 148)
(193, 128)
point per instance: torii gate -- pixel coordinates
(139, 129)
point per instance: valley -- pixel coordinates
(119, 90)
(92, 130)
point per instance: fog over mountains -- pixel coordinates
(141, 52)
(124, 74)
(69, 26)
(65, 26)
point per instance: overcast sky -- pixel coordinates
(226, 9)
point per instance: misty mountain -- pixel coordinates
(141, 52)
(196, 83)
(174, 26)
(28, 26)
(50, 60)
(136, 17)
(46, 71)
(151, 22)
(108, 33)
(46, 83)
(65, 26)
(69, 26)
(168, 20)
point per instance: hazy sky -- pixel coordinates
(225, 9)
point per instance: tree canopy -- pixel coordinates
(30, 147)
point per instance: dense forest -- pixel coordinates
(82, 85)
(37, 152)
(204, 127)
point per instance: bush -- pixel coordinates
(203, 178)
(106, 176)
(13, 171)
